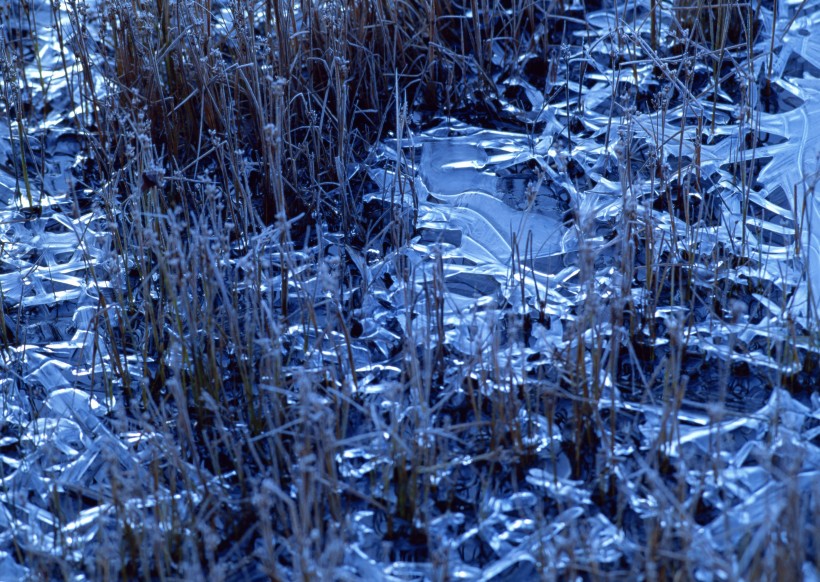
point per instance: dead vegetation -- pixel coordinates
(229, 149)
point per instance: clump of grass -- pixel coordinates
(230, 138)
(718, 25)
(300, 92)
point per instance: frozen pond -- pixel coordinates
(572, 333)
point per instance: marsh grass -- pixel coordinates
(227, 155)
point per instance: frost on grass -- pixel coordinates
(565, 327)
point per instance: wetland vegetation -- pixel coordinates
(402, 290)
